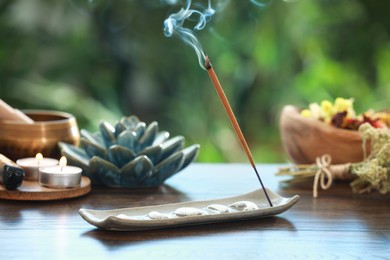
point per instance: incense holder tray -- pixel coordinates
(248, 206)
(129, 154)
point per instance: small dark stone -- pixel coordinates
(12, 177)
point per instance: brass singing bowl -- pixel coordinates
(21, 140)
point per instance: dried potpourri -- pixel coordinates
(341, 114)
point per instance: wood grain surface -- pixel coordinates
(338, 224)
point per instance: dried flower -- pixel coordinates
(342, 105)
(315, 110)
(341, 114)
(328, 110)
(306, 113)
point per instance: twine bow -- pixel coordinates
(323, 162)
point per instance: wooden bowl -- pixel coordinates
(304, 139)
(21, 140)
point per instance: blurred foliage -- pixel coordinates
(101, 59)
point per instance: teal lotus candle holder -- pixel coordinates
(130, 154)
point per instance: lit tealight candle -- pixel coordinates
(31, 165)
(60, 176)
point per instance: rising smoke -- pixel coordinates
(174, 26)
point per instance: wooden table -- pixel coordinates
(338, 224)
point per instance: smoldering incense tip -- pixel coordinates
(207, 63)
(233, 120)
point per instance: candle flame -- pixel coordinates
(63, 162)
(39, 157)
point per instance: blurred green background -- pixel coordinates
(102, 59)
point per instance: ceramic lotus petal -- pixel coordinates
(130, 154)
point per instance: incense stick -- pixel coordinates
(233, 120)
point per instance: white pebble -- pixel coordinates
(188, 211)
(126, 217)
(157, 215)
(218, 208)
(244, 205)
